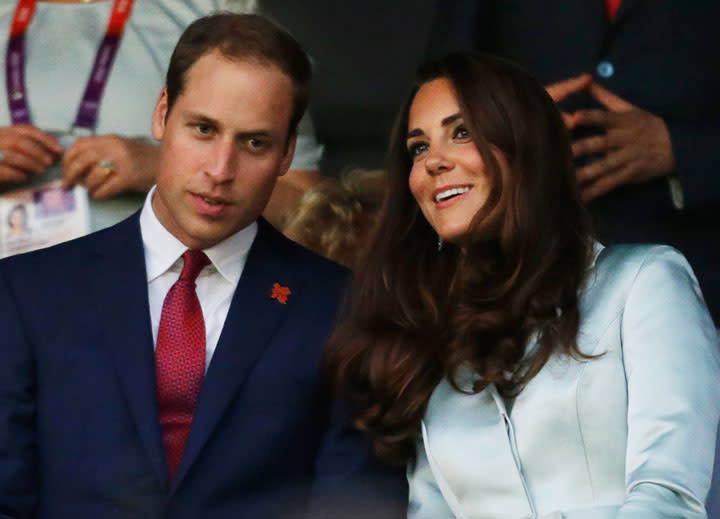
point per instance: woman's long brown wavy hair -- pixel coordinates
(416, 314)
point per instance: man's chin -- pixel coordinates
(203, 241)
(202, 232)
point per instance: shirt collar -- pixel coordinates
(163, 249)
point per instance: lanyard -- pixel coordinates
(87, 114)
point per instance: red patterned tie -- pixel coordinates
(180, 358)
(612, 7)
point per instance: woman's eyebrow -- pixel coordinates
(417, 132)
(451, 119)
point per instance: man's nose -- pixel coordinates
(221, 164)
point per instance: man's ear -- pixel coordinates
(159, 115)
(289, 154)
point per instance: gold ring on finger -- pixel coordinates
(106, 166)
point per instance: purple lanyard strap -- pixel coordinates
(15, 64)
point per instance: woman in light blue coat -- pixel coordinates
(520, 368)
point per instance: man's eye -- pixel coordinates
(256, 144)
(203, 129)
(417, 148)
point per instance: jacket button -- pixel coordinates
(605, 69)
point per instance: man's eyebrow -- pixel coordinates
(254, 133)
(417, 132)
(198, 117)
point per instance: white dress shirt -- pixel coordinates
(216, 283)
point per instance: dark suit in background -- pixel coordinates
(660, 55)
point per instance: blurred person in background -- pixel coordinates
(337, 217)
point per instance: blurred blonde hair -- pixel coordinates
(337, 217)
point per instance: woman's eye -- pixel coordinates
(461, 132)
(417, 148)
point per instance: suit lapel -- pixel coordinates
(119, 281)
(252, 320)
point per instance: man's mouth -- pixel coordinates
(209, 205)
(211, 201)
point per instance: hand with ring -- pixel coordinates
(110, 164)
(106, 166)
(25, 150)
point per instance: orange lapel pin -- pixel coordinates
(280, 293)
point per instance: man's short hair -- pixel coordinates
(242, 37)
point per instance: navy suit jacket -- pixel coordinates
(663, 56)
(79, 430)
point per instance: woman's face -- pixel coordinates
(448, 178)
(17, 219)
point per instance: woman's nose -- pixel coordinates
(438, 161)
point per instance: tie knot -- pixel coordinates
(193, 262)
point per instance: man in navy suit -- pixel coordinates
(168, 366)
